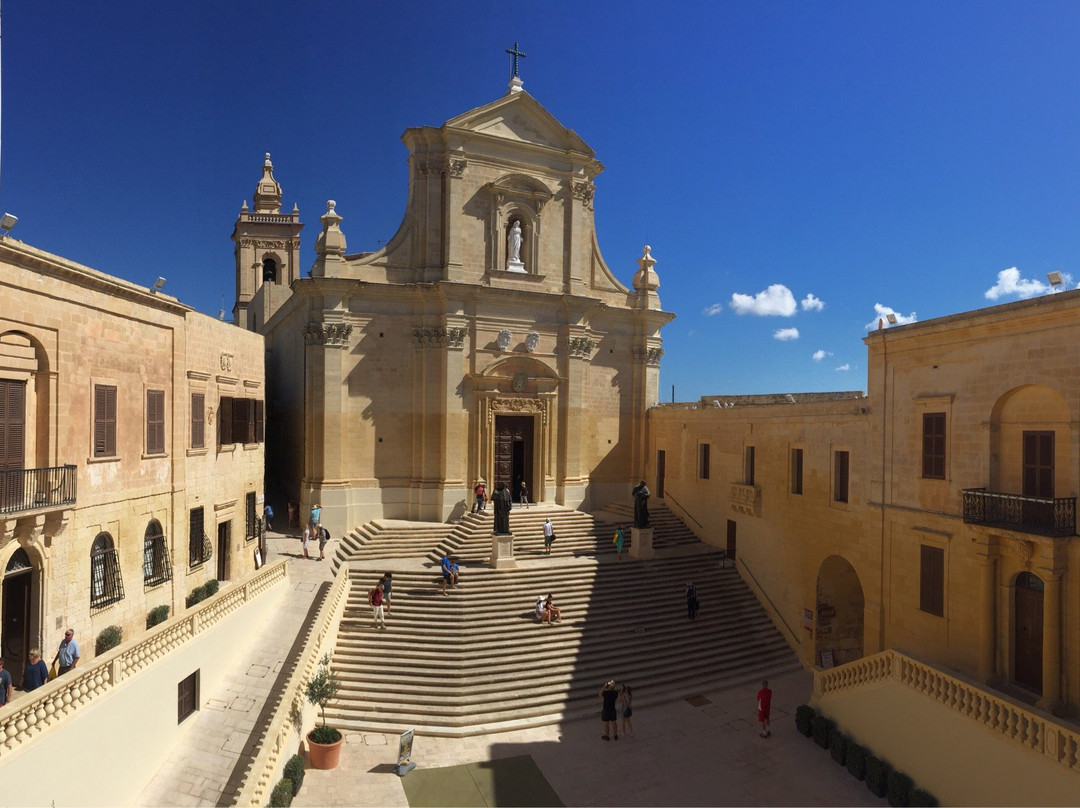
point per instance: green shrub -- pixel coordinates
(197, 595)
(212, 587)
(324, 734)
(159, 614)
(877, 775)
(294, 770)
(822, 728)
(838, 745)
(281, 796)
(922, 799)
(109, 638)
(898, 789)
(804, 714)
(856, 761)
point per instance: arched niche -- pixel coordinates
(1030, 429)
(516, 197)
(840, 612)
(28, 388)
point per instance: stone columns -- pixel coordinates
(1051, 683)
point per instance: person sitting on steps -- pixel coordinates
(449, 573)
(552, 610)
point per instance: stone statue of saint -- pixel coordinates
(501, 498)
(641, 504)
(513, 243)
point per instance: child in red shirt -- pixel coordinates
(764, 704)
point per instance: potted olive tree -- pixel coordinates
(324, 743)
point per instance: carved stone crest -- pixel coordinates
(532, 340)
(503, 340)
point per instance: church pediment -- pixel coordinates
(520, 118)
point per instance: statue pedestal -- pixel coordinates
(515, 266)
(502, 551)
(641, 542)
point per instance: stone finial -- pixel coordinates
(646, 279)
(330, 245)
(516, 85)
(244, 207)
(268, 191)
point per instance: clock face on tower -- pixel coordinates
(520, 381)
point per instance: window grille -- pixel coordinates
(156, 566)
(199, 547)
(106, 585)
(249, 511)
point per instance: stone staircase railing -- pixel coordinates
(272, 748)
(62, 698)
(1001, 717)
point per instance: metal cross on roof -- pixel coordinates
(516, 54)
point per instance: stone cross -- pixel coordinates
(516, 54)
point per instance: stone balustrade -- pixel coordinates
(275, 743)
(1003, 718)
(55, 702)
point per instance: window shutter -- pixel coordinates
(104, 420)
(155, 421)
(260, 421)
(225, 414)
(240, 420)
(198, 408)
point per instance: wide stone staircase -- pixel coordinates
(476, 660)
(668, 529)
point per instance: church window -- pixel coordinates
(749, 471)
(270, 270)
(703, 461)
(841, 462)
(106, 586)
(156, 567)
(933, 452)
(199, 549)
(104, 420)
(796, 471)
(155, 422)
(932, 580)
(198, 420)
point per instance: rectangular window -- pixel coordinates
(225, 421)
(933, 445)
(199, 549)
(249, 511)
(187, 697)
(198, 421)
(242, 420)
(104, 420)
(749, 464)
(155, 422)
(932, 580)
(703, 461)
(796, 471)
(840, 476)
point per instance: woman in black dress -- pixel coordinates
(608, 715)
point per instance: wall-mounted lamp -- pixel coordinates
(7, 221)
(891, 318)
(1055, 280)
(158, 285)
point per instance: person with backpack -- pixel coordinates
(549, 536)
(375, 598)
(480, 492)
(387, 583)
(324, 537)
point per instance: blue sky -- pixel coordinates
(798, 168)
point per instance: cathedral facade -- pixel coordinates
(488, 340)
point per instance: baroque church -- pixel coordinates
(487, 341)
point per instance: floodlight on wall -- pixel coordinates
(1055, 280)
(891, 318)
(7, 222)
(158, 285)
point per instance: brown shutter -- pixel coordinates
(240, 420)
(12, 424)
(225, 421)
(260, 421)
(155, 421)
(104, 420)
(198, 431)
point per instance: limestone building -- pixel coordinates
(131, 452)
(936, 515)
(487, 340)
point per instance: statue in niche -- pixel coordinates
(641, 504)
(513, 248)
(501, 498)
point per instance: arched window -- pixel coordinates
(1027, 580)
(106, 585)
(269, 270)
(156, 566)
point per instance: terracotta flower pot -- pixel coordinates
(324, 755)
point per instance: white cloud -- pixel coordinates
(776, 300)
(811, 303)
(715, 308)
(786, 334)
(844, 366)
(882, 313)
(1010, 283)
(819, 355)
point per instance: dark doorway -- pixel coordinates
(15, 642)
(12, 442)
(731, 539)
(1027, 641)
(514, 452)
(223, 551)
(661, 462)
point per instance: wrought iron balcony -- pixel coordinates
(24, 490)
(1043, 517)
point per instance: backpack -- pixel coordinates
(371, 597)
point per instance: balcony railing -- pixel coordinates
(36, 489)
(1038, 515)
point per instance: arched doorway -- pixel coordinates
(840, 604)
(19, 590)
(1027, 631)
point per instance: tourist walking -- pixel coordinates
(324, 537)
(619, 540)
(305, 539)
(480, 492)
(608, 715)
(36, 673)
(315, 516)
(549, 536)
(691, 602)
(268, 517)
(523, 494)
(375, 598)
(68, 653)
(626, 701)
(387, 584)
(764, 705)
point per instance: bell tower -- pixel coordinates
(267, 253)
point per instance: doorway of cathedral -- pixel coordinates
(1028, 635)
(514, 452)
(18, 587)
